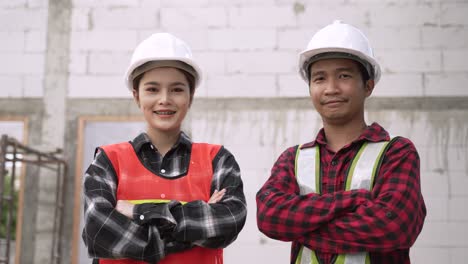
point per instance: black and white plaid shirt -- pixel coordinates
(109, 234)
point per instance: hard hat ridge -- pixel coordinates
(163, 48)
(339, 40)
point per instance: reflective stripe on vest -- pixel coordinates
(137, 184)
(360, 176)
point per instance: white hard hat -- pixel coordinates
(340, 40)
(162, 47)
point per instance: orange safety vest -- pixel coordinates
(136, 182)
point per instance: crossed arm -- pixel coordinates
(388, 218)
(111, 232)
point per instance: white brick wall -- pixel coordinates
(35, 41)
(404, 14)
(433, 43)
(128, 18)
(80, 19)
(242, 39)
(405, 84)
(399, 61)
(209, 17)
(213, 63)
(13, 3)
(249, 49)
(108, 63)
(22, 19)
(240, 85)
(103, 40)
(295, 39)
(33, 86)
(446, 84)
(261, 17)
(11, 86)
(22, 63)
(292, 85)
(100, 86)
(12, 41)
(444, 37)
(454, 14)
(261, 62)
(105, 3)
(319, 15)
(455, 60)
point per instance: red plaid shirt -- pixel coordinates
(385, 221)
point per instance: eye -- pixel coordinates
(318, 79)
(151, 89)
(345, 76)
(178, 89)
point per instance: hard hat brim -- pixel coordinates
(305, 56)
(135, 65)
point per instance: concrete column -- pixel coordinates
(53, 125)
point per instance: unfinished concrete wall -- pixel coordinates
(248, 49)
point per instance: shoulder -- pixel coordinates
(289, 154)
(398, 143)
(116, 147)
(210, 149)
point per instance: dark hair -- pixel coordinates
(364, 74)
(188, 76)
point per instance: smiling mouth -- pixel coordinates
(333, 102)
(164, 112)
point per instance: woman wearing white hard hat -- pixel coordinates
(161, 198)
(353, 194)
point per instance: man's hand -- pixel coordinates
(125, 208)
(217, 196)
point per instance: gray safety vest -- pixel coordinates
(361, 175)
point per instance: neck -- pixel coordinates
(163, 140)
(340, 135)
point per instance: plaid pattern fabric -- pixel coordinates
(384, 222)
(109, 234)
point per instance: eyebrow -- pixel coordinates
(341, 69)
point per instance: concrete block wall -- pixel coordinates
(248, 49)
(22, 49)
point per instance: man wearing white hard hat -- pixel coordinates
(353, 194)
(161, 198)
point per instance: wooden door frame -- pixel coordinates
(82, 122)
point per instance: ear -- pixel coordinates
(369, 86)
(136, 97)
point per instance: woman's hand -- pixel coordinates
(125, 208)
(217, 196)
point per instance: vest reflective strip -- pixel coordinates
(309, 258)
(362, 170)
(354, 258)
(360, 176)
(307, 172)
(152, 201)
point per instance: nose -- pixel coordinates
(331, 87)
(163, 97)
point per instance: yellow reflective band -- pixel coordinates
(318, 179)
(353, 166)
(314, 258)
(152, 201)
(299, 256)
(295, 160)
(374, 169)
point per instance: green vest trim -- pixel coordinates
(361, 175)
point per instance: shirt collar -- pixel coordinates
(143, 139)
(372, 133)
